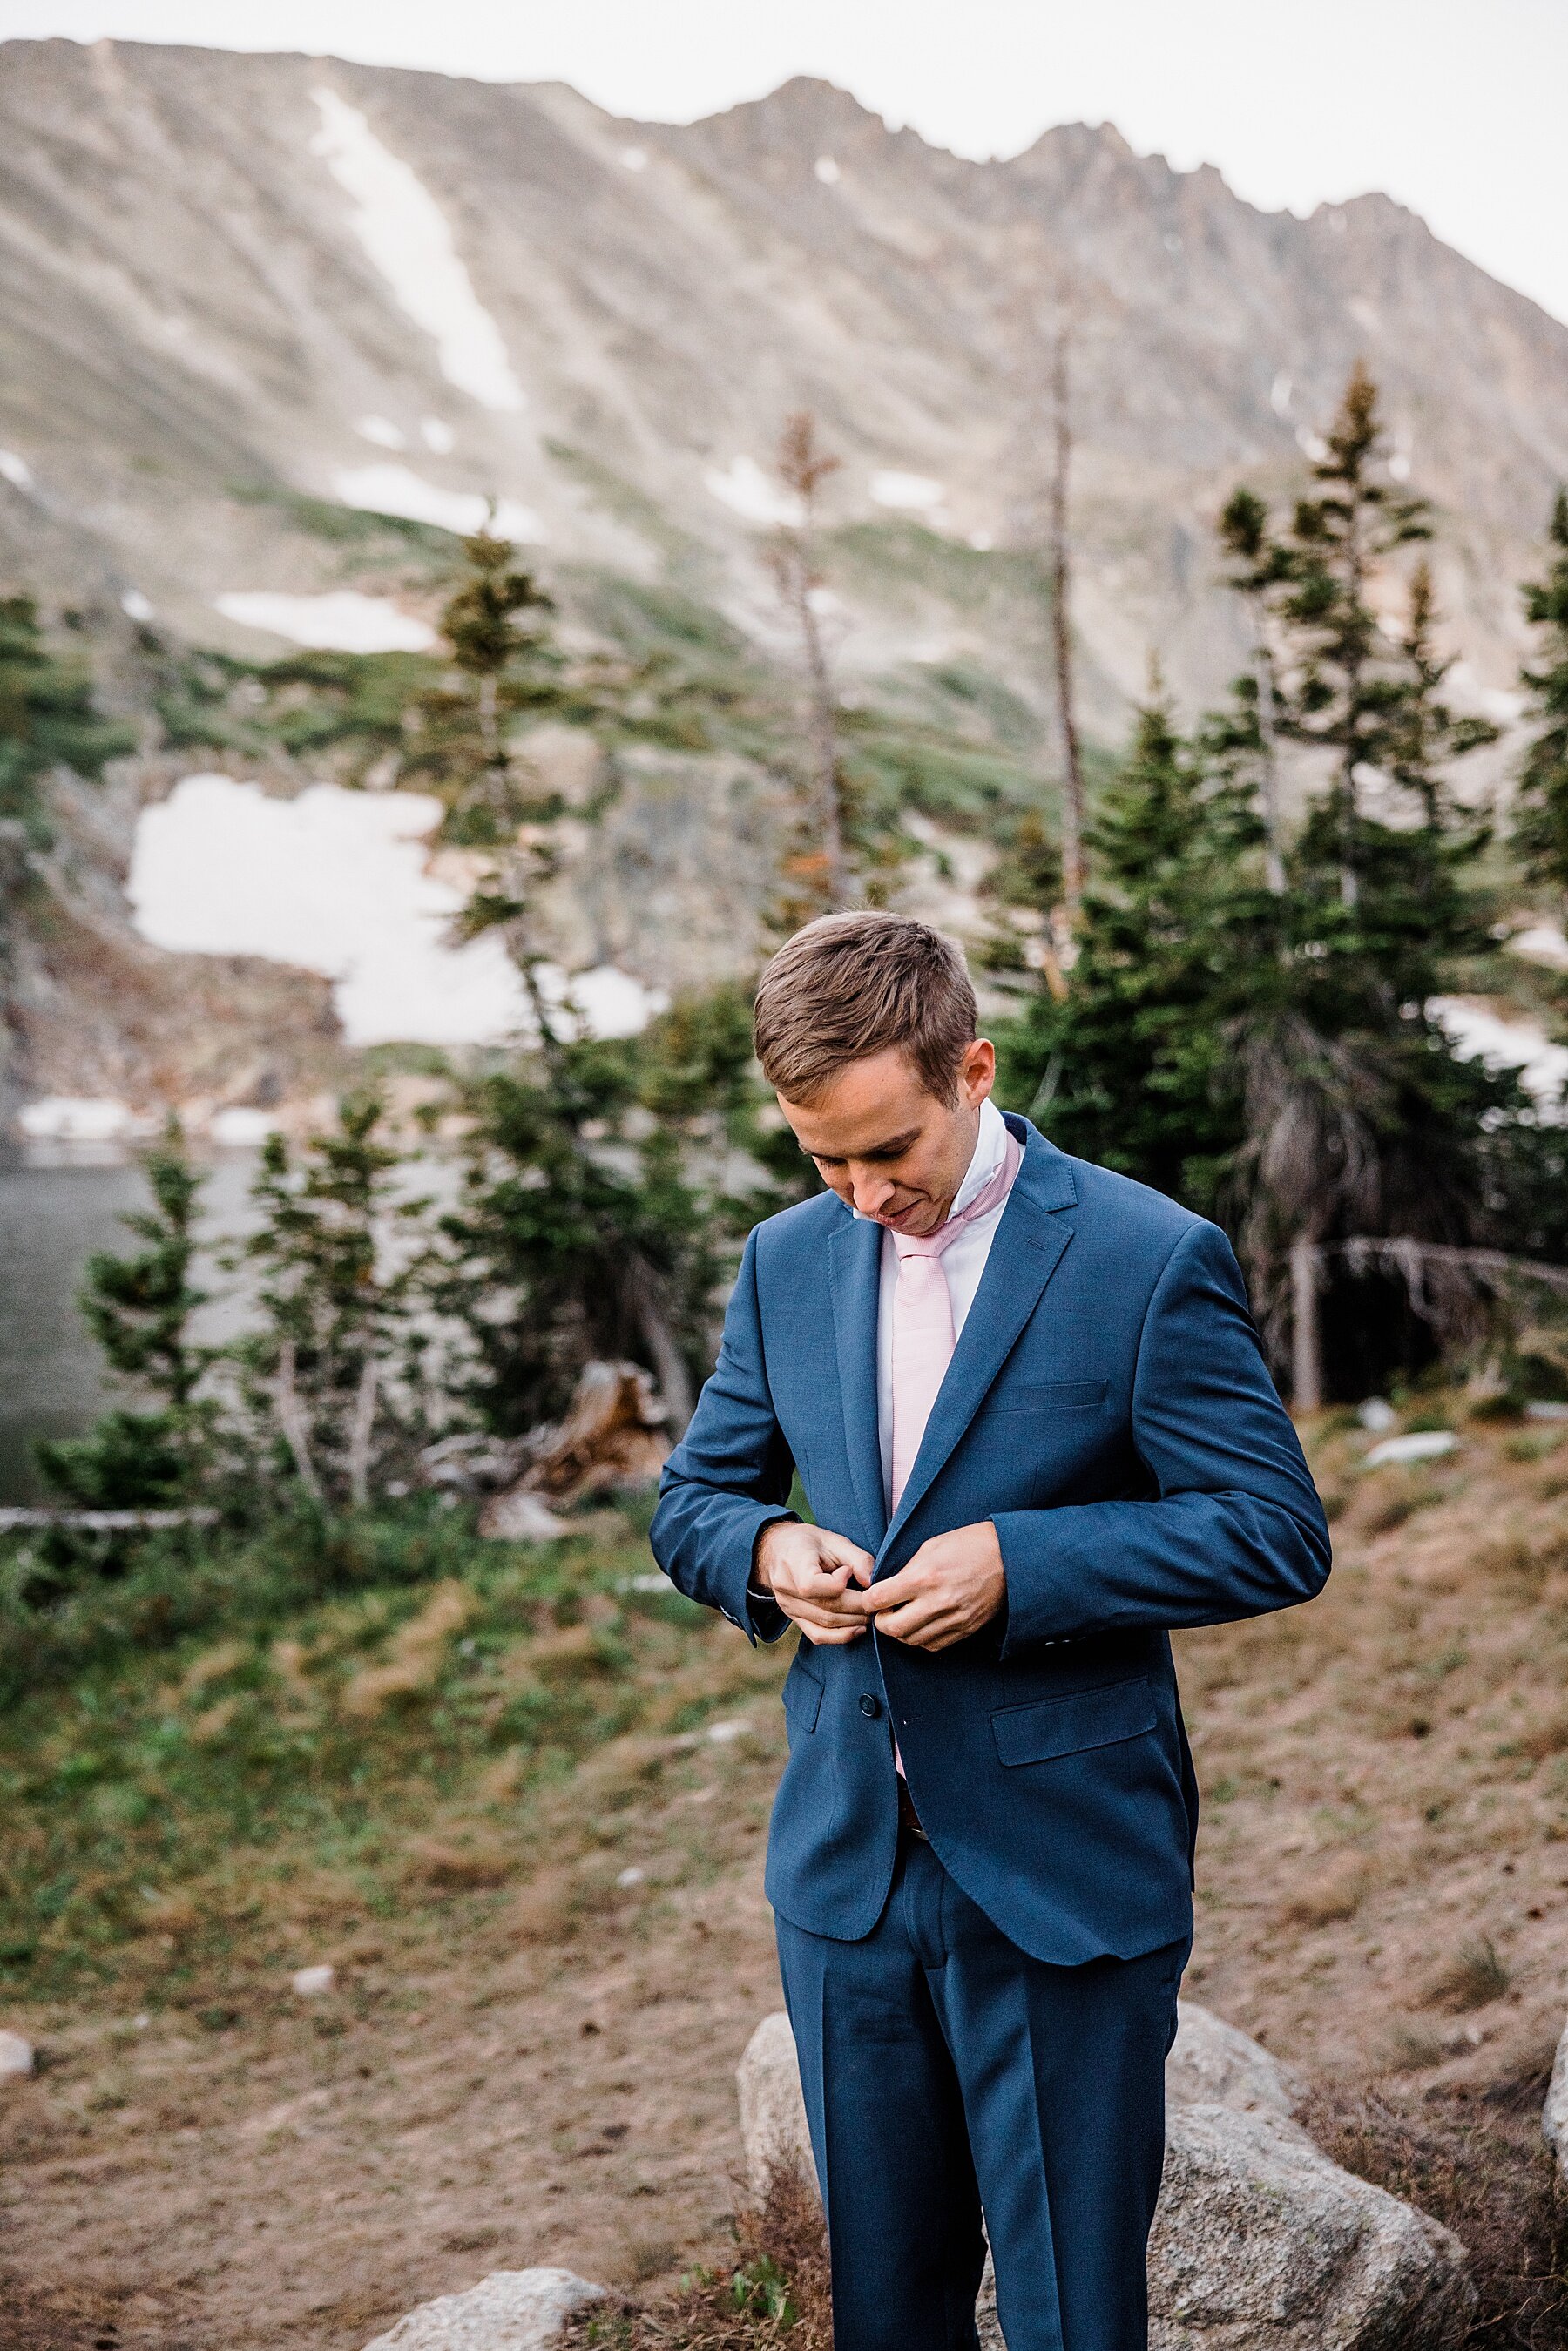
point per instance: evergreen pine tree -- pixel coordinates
(329, 1373)
(1360, 1119)
(1352, 686)
(139, 1308)
(506, 667)
(1259, 569)
(1130, 1066)
(1540, 828)
(600, 1201)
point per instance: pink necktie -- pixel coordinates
(923, 1339)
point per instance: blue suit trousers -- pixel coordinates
(957, 2089)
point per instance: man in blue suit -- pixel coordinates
(1028, 1408)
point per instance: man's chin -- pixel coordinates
(916, 1222)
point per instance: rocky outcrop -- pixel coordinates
(1260, 2242)
(511, 2310)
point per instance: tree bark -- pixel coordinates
(361, 1432)
(669, 1364)
(1306, 1337)
(1269, 736)
(292, 1420)
(1073, 811)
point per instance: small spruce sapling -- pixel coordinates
(139, 1308)
(329, 1372)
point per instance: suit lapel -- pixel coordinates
(854, 1273)
(1025, 1250)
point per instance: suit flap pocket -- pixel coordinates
(1047, 1396)
(1066, 1726)
(802, 1697)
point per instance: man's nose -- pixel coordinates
(872, 1191)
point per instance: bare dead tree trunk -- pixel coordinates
(1306, 1335)
(361, 1429)
(822, 732)
(291, 1421)
(1269, 736)
(1072, 811)
(669, 1364)
(803, 467)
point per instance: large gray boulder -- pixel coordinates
(1213, 2065)
(1260, 2242)
(511, 2310)
(773, 2130)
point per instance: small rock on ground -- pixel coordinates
(511, 2310)
(17, 2059)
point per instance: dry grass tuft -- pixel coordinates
(1479, 2167)
(1336, 1893)
(57, 2319)
(777, 2292)
(456, 1867)
(1477, 1975)
(415, 1653)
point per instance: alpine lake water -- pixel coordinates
(57, 1204)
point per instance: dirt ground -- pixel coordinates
(515, 2077)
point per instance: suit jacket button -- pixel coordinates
(870, 1708)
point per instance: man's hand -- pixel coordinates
(953, 1585)
(816, 1578)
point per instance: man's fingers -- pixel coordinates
(849, 1557)
(920, 1630)
(821, 1592)
(822, 1608)
(893, 1591)
(824, 1637)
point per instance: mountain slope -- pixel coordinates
(194, 250)
(272, 328)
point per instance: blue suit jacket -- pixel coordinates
(1107, 1406)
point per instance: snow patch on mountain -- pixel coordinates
(747, 490)
(1480, 1034)
(398, 490)
(342, 622)
(337, 883)
(407, 236)
(912, 493)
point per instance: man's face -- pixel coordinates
(886, 1145)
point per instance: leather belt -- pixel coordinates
(908, 1818)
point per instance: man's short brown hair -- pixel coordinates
(848, 986)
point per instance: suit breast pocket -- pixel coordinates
(1045, 1399)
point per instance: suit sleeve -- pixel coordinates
(1235, 1527)
(728, 1478)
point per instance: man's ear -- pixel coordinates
(978, 1071)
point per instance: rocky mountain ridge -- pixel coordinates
(221, 273)
(274, 327)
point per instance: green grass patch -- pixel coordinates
(326, 1723)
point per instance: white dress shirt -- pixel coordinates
(962, 1262)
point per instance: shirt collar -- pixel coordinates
(990, 1150)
